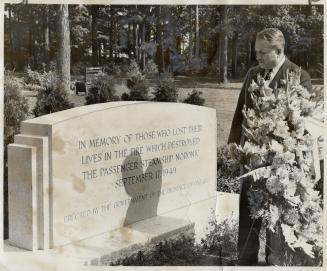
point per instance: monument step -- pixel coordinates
(111, 246)
(117, 244)
(141, 235)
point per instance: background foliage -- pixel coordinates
(200, 39)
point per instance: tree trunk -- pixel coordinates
(106, 42)
(116, 38)
(143, 40)
(309, 8)
(18, 48)
(129, 42)
(179, 44)
(251, 50)
(111, 33)
(220, 60)
(224, 49)
(197, 33)
(160, 56)
(219, 55)
(197, 39)
(105, 51)
(11, 45)
(249, 53)
(234, 54)
(135, 42)
(225, 59)
(30, 43)
(191, 36)
(46, 46)
(32, 39)
(148, 31)
(139, 42)
(100, 53)
(162, 50)
(94, 26)
(64, 48)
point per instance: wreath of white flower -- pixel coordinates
(279, 154)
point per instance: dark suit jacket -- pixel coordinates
(236, 128)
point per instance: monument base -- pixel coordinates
(114, 245)
(110, 246)
(118, 244)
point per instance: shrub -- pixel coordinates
(180, 251)
(113, 69)
(137, 84)
(15, 107)
(166, 90)
(125, 97)
(33, 77)
(221, 239)
(40, 79)
(195, 98)
(228, 169)
(35, 81)
(151, 67)
(139, 91)
(133, 70)
(123, 66)
(51, 98)
(102, 90)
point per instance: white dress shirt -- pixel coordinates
(275, 70)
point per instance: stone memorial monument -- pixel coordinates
(138, 170)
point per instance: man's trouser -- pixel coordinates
(249, 229)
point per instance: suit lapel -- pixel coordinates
(280, 74)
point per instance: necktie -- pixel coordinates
(268, 74)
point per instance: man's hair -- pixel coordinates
(274, 36)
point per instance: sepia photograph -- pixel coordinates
(162, 135)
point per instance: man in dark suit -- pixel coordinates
(272, 64)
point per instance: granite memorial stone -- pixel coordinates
(93, 169)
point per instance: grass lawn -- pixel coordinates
(223, 98)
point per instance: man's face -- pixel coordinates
(267, 57)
